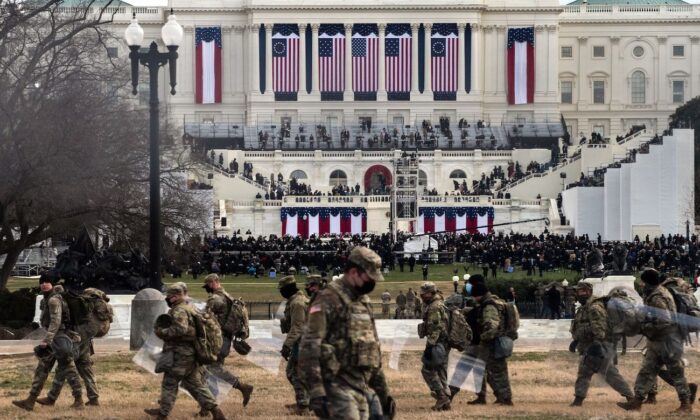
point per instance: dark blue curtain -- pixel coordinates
(261, 55)
(421, 57)
(309, 58)
(468, 58)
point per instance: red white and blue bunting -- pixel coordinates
(455, 219)
(319, 221)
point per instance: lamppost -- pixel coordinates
(153, 59)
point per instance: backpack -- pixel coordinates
(623, 316)
(90, 312)
(459, 334)
(236, 321)
(512, 320)
(208, 341)
(687, 309)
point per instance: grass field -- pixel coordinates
(542, 389)
(265, 289)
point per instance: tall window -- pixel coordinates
(678, 91)
(638, 84)
(338, 177)
(422, 178)
(298, 174)
(567, 92)
(598, 51)
(458, 173)
(678, 50)
(598, 91)
(567, 52)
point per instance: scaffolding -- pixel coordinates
(404, 192)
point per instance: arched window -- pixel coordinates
(639, 88)
(338, 177)
(422, 178)
(298, 174)
(458, 173)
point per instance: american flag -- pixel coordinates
(365, 52)
(521, 65)
(398, 57)
(208, 65)
(331, 58)
(285, 58)
(444, 52)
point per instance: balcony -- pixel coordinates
(615, 12)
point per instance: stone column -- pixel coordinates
(414, 60)
(477, 60)
(226, 69)
(268, 59)
(617, 85)
(489, 61)
(237, 59)
(693, 89)
(541, 61)
(428, 87)
(381, 74)
(585, 89)
(461, 92)
(302, 58)
(348, 60)
(662, 96)
(501, 59)
(314, 60)
(185, 66)
(553, 62)
(255, 58)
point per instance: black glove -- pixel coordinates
(286, 351)
(428, 352)
(573, 345)
(319, 405)
(389, 408)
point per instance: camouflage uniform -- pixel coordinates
(55, 317)
(664, 345)
(386, 303)
(340, 356)
(591, 325)
(435, 329)
(84, 366)
(491, 325)
(400, 305)
(293, 324)
(410, 304)
(179, 339)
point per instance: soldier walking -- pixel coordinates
(435, 356)
(55, 348)
(594, 340)
(664, 345)
(400, 305)
(340, 356)
(410, 303)
(312, 286)
(491, 325)
(220, 304)
(292, 324)
(185, 370)
(386, 303)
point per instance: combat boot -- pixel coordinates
(27, 404)
(686, 407)
(299, 410)
(508, 402)
(453, 391)
(442, 403)
(93, 402)
(155, 412)
(480, 400)
(578, 402)
(651, 398)
(217, 414)
(246, 391)
(46, 401)
(635, 404)
(693, 392)
(77, 403)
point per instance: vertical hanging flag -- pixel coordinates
(331, 61)
(320, 221)
(397, 48)
(444, 53)
(521, 65)
(365, 53)
(462, 220)
(208, 65)
(285, 61)
(468, 58)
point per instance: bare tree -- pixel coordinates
(72, 151)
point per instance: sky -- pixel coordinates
(165, 2)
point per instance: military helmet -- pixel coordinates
(584, 285)
(164, 321)
(210, 278)
(285, 281)
(428, 287)
(241, 347)
(176, 289)
(368, 261)
(313, 279)
(42, 351)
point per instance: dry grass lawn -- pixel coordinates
(542, 386)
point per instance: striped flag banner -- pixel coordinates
(444, 52)
(319, 221)
(331, 61)
(285, 61)
(521, 65)
(365, 53)
(397, 48)
(465, 220)
(208, 65)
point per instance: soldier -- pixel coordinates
(219, 303)
(55, 348)
(664, 345)
(340, 356)
(314, 283)
(410, 303)
(386, 303)
(491, 325)
(434, 329)
(292, 324)
(400, 304)
(179, 340)
(594, 340)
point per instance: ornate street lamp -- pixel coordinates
(153, 59)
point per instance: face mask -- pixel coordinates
(468, 289)
(367, 287)
(208, 289)
(169, 303)
(288, 291)
(582, 299)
